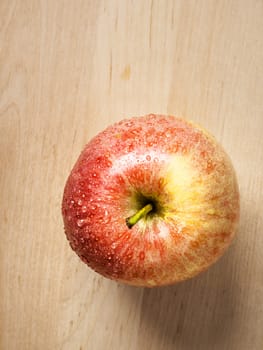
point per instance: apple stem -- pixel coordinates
(132, 220)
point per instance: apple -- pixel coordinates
(151, 201)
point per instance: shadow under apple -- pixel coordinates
(196, 314)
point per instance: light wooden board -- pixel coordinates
(70, 68)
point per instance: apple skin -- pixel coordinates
(165, 160)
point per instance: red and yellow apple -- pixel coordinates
(151, 201)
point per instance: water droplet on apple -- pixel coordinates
(80, 222)
(155, 160)
(114, 245)
(93, 207)
(79, 202)
(148, 157)
(94, 174)
(84, 209)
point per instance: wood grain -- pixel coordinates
(67, 70)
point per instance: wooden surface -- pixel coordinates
(70, 68)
